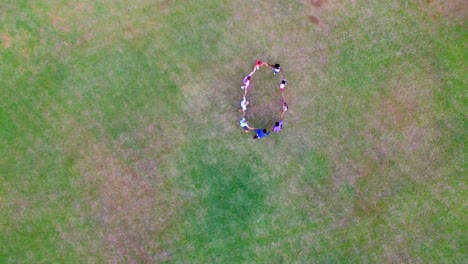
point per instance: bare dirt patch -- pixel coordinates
(164, 7)
(313, 19)
(317, 3)
(318, 10)
(6, 40)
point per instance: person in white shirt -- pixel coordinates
(243, 105)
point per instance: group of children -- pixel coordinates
(261, 133)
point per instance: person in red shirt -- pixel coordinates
(259, 64)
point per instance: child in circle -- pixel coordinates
(278, 126)
(243, 104)
(276, 68)
(283, 85)
(285, 108)
(261, 133)
(246, 81)
(243, 123)
(259, 64)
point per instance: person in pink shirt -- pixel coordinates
(246, 81)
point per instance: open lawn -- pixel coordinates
(120, 140)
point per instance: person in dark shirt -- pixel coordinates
(283, 85)
(276, 68)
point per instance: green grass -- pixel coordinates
(120, 137)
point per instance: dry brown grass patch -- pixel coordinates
(400, 134)
(348, 171)
(6, 40)
(83, 7)
(59, 23)
(131, 32)
(400, 125)
(164, 7)
(130, 205)
(453, 9)
(398, 138)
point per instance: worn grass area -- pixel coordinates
(120, 137)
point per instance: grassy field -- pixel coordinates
(120, 140)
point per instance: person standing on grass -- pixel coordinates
(259, 64)
(261, 133)
(283, 85)
(278, 126)
(243, 123)
(276, 68)
(246, 81)
(243, 104)
(285, 108)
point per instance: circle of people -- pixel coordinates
(278, 126)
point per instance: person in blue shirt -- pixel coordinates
(261, 133)
(243, 123)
